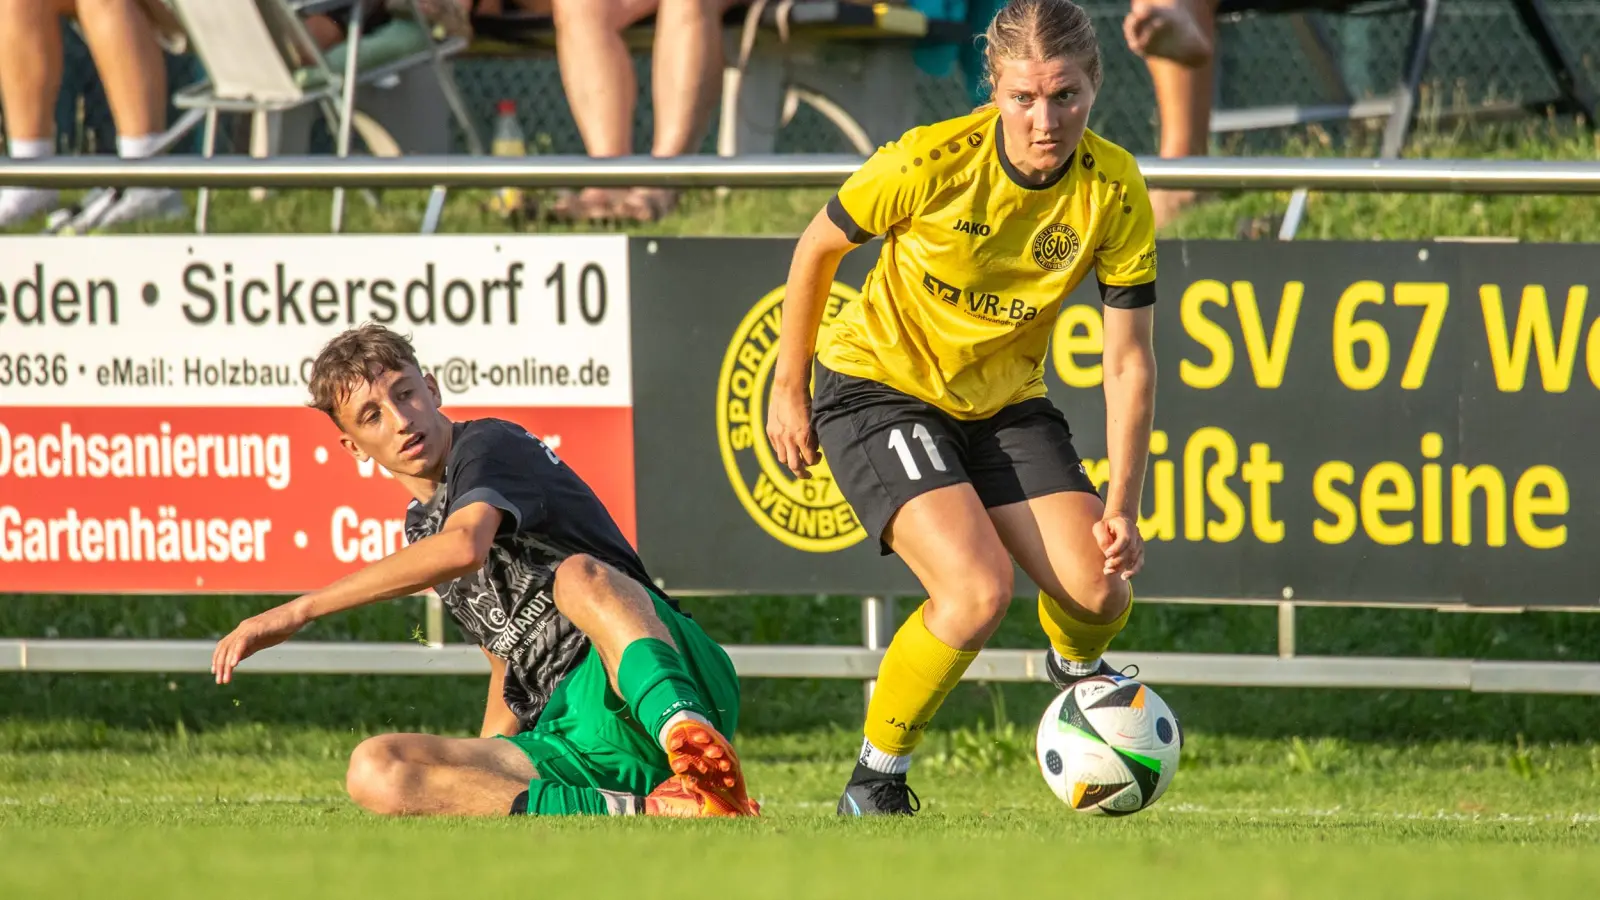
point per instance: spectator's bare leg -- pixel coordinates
(130, 63)
(687, 79)
(1183, 89)
(126, 52)
(30, 78)
(30, 67)
(1179, 30)
(597, 73)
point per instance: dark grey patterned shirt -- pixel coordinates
(550, 514)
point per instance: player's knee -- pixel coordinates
(582, 578)
(585, 587)
(991, 596)
(1104, 599)
(980, 597)
(376, 777)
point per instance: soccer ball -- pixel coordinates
(1108, 746)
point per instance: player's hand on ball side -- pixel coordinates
(1120, 541)
(253, 635)
(789, 430)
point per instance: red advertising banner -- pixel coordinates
(156, 446)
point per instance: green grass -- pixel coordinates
(970, 857)
(168, 786)
(254, 811)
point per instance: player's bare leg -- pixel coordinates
(427, 775)
(620, 620)
(1080, 606)
(423, 774)
(945, 537)
(948, 542)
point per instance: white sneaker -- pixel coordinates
(106, 209)
(18, 205)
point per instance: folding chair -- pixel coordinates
(1573, 92)
(261, 61)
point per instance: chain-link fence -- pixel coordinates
(1481, 52)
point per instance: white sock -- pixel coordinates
(684, 716)
(879, 761)
(619, 803)
(18, 203)
(38, 149)
(137, 147)
(1075, 668)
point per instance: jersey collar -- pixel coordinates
(1016, 176)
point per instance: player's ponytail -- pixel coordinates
(1039, 30)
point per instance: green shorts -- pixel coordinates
(587, 737)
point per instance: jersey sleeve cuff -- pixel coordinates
(841, 218)
(1131, 296)
(495, 499)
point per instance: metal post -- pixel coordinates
(877, 627)
(1293, 215)
(1286, 630)
(348, 99)
(435, 620)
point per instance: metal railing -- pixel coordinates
(784, 170)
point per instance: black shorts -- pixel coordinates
(885, 447)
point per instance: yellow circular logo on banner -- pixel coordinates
(806, 514)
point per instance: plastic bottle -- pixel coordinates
(508, 141)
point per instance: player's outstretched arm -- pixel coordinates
(816, 262)
(460, 548)
(1130, 387)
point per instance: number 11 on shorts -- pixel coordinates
(898, 443)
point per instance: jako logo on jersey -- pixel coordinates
(974, 228)
(810, 515)
(1056, 247)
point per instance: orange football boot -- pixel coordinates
(704, 763)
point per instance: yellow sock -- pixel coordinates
(1078, 642)
(917, 673)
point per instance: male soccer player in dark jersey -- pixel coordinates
(605, 699)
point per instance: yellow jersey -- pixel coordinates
(975, 263)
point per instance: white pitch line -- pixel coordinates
(1332, 813)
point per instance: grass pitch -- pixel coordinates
(250, 811)
(169, 786)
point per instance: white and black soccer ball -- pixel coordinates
(1109, 746)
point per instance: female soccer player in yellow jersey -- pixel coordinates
(929, 399)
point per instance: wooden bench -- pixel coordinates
(852, 62)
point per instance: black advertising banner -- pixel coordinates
(717, 511)
(1529, 426)
(1346, 422)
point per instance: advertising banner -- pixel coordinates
(154, 428)
(1347, 422)
(1340, 422)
